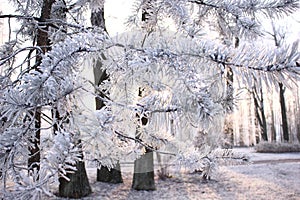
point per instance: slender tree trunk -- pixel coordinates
(34, 149)
(229, 134)
(297, 116)
(42, 41)
(263, 116)
(273, 129)
(285, 127)
(260, 112)
(104, 174)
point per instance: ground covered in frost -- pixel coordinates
(270, 176)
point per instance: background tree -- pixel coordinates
(42, 41)
(143, 176)
(76, 185)
(258, 99)
(279, 36)
(285, 127)
(104, 174)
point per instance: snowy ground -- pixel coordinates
(270, 176)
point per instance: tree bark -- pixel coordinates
(260, 112)
(273, 129)
(103, 174)
(43, 42)
(34, 149)
(110, 175)
(285, 127)
(143, 177)
(78, 186)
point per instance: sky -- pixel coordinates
(117, 12)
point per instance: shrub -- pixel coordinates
(272, 147)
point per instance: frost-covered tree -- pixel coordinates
(181, 76)
(104, 174)
(37, 87)
(278, 37)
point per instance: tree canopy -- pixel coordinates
(180, 76)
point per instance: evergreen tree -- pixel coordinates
(143, 175)
(104, 174)
(181, 76)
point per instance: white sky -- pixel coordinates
(117, 11)
(116, 14)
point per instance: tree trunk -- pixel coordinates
(273, 129)
(42, 41)
(260, 112)
(143, 177)
(264, 133)
(34, 149)
(297, 116)
(110, 175)
(78, 186)
(228, 124)
(285, 127)
(229, 96)
(228, 130)
(103, 174)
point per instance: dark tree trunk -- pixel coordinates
(260, 112)
(285, 127)
(273, 129)
(297, 116)
(298, 131)
(97, 19)
(42, 41)
(110, 175)
(103, 174)
(143, 177)
(264, 120)
(78, 186)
